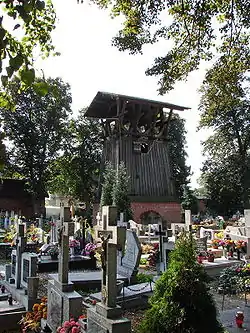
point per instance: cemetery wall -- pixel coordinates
(170, 211)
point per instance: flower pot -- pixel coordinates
(200, 260)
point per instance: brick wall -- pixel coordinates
(169, 211)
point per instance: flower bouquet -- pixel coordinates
(32, 320)
(73, 243)
(70, 326)
(241, 245)
(90, 249)
(215, 243)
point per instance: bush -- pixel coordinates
(181, 302)
(141, 278)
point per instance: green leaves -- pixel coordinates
(16, 62)
(41, 88)
(37, 20)
(4, 80)
(197, 30)
(28, 76)
(37, 129)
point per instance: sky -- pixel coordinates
(90, 64)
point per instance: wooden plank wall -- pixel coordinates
(150, 173)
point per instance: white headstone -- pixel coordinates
(247, 226)
(188, 219)
(98, 219)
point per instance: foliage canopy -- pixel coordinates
(25, 29)
(198, 29)
(36, 131)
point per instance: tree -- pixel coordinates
(199, 30)
(181, 302)
(115, 189)
(189, 200)
(120, 192)
(36, 131)
(178, 154)
(36, 19)
(75, 173)
(225, 107)
(109, 179)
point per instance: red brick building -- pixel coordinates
(15, 197)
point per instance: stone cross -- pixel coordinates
(161, 234)
(111, 237)
(20, 247)
(65, 230)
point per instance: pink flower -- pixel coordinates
(75, 330)
(66, 324)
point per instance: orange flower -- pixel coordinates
(35, 307)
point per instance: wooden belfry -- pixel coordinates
(135, 131)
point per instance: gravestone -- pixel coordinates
(201, 245)
(63, 301)
(128, 264)
(20, 247)
(209, 233)
(106, 316)
(29, 267)
(161, 234)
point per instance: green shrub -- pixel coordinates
(141, 277)
(181, 302)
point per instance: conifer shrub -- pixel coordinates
(181, 302)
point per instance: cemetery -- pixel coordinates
(96, 298)
(72, 274)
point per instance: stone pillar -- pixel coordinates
(188, 220)
(247, 226)
(7, 272)
(33, 284)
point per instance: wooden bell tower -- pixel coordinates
(136, 132)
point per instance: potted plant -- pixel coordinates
(240, 246)
(215, 243)
(54, 252)
(200, 258)
(210, 256)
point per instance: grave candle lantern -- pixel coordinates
(239, 318)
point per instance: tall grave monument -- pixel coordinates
(63, 301)
(106, 316)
